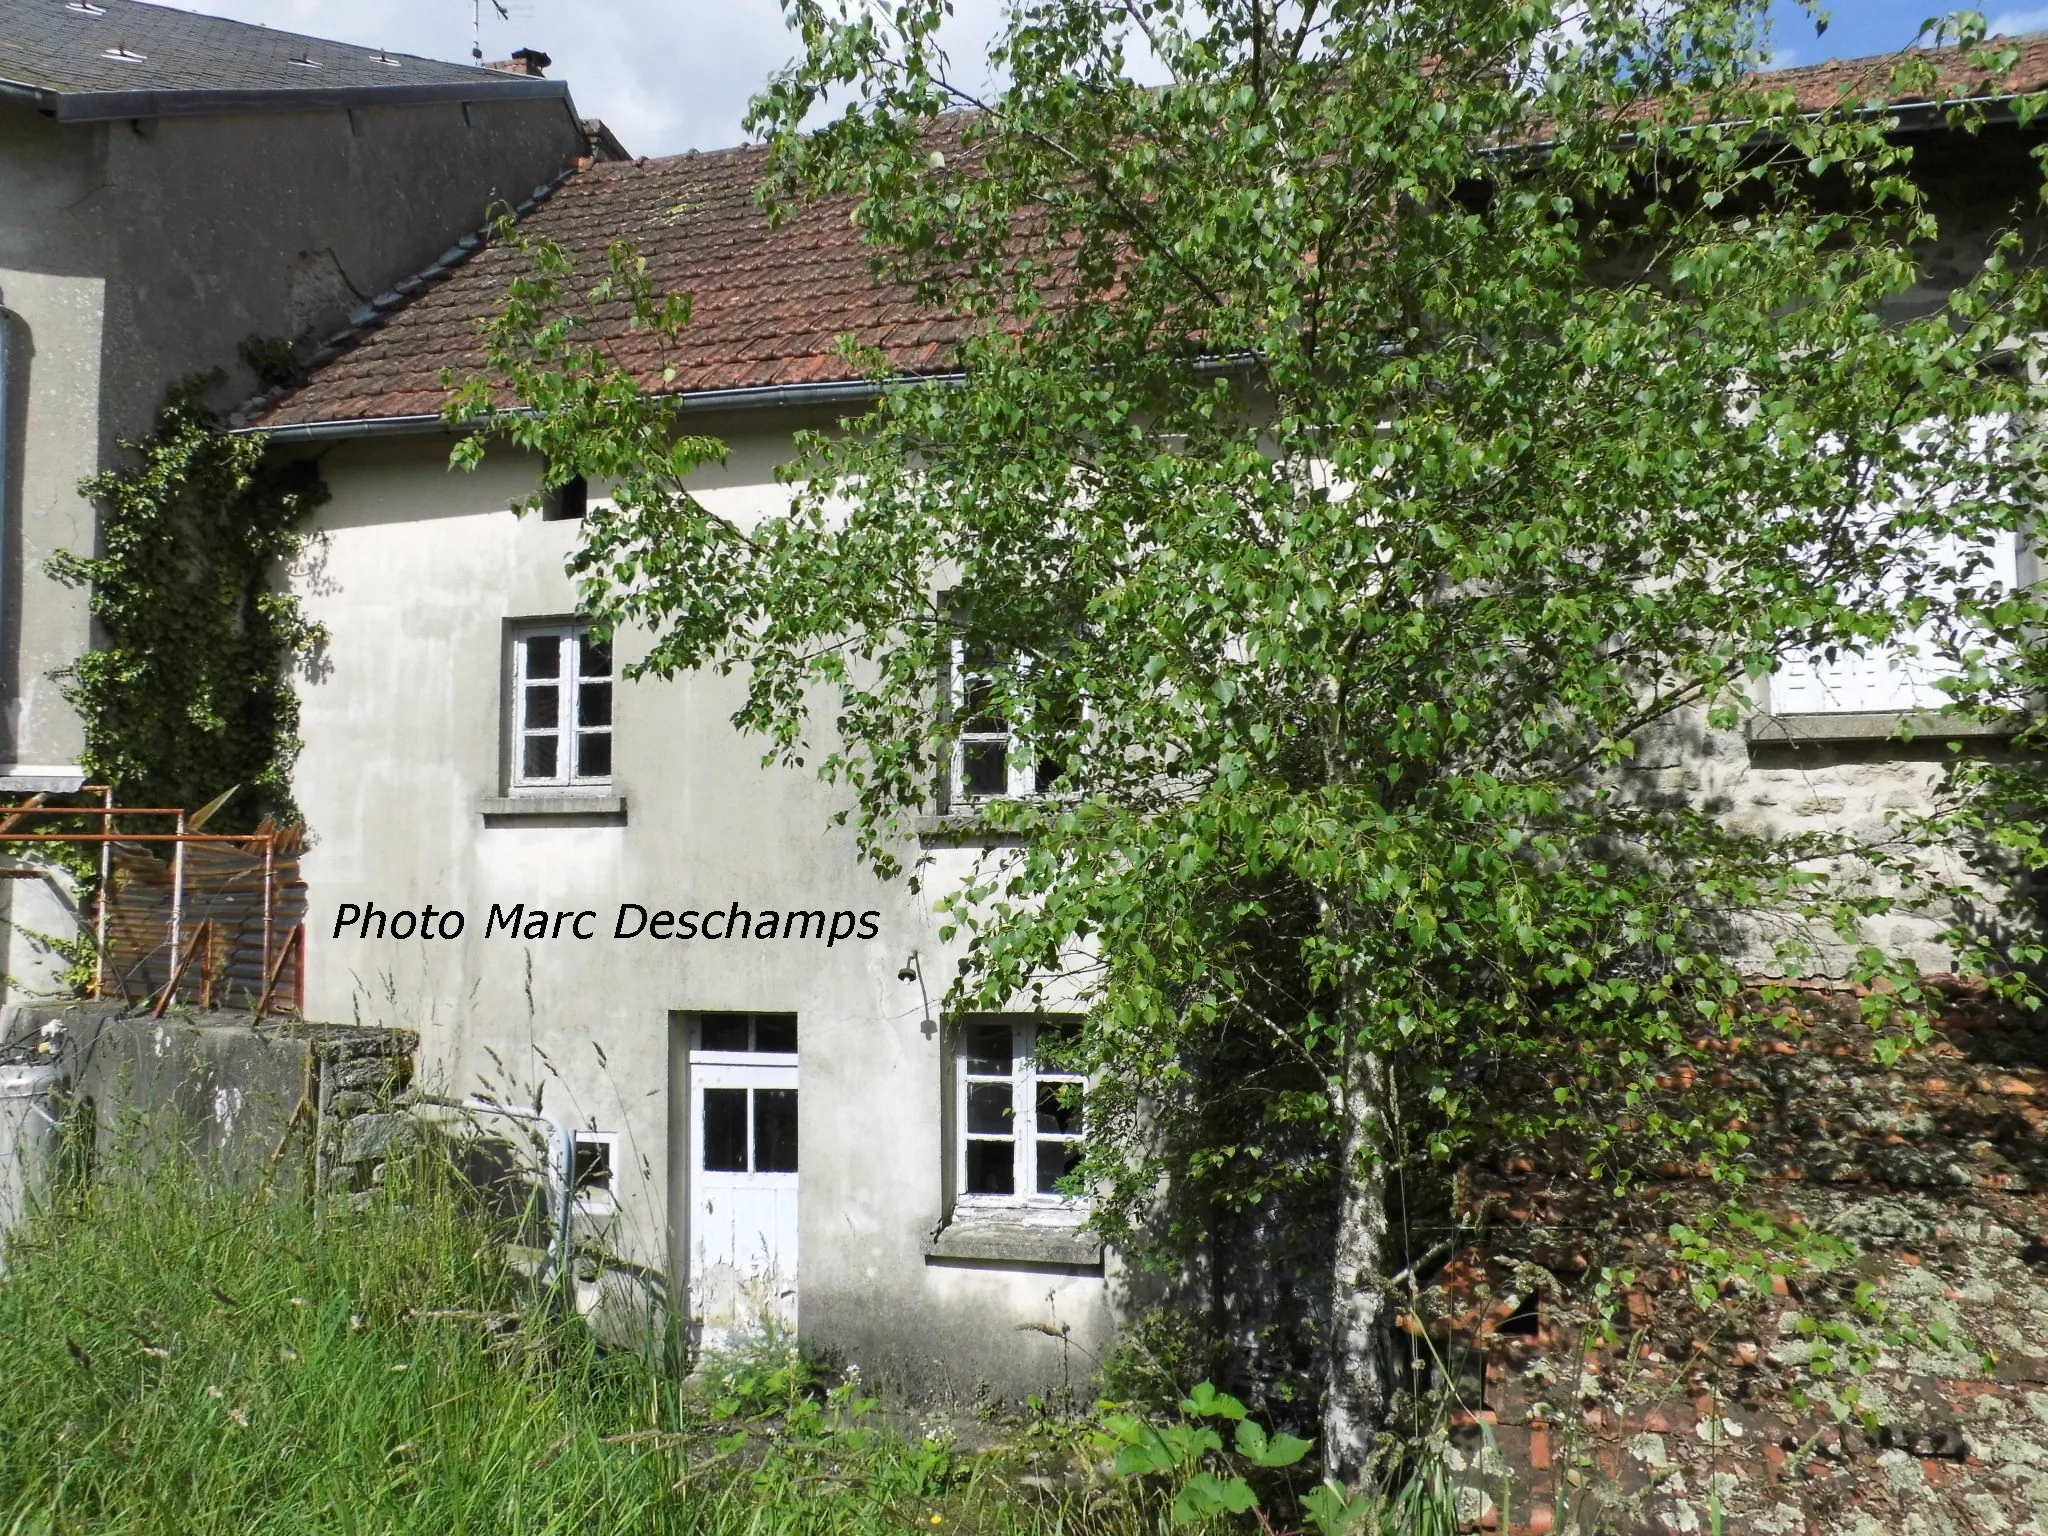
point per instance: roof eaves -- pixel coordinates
(112, 106)
(747, 398)
(41, 97)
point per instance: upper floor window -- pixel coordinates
(1899, 678)
(561, 715)
(567, 502)
(990, 760)
(1019, 1116)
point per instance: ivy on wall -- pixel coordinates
(189, 692)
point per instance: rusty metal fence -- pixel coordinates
(216, 920)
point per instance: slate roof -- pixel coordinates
(93, 60)
(769, 306)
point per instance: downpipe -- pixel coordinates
(6, 446)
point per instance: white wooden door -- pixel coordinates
(743, 1203)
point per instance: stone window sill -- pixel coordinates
(963, 829)
(504, 810)
(1874, 725)
(1016, 1237)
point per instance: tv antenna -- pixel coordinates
(476, 47)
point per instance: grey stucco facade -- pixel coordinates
(422, 577)
(139, 250)
(418, 574)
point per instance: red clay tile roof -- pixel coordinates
(770, 306)
(1819, 87)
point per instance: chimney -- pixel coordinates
(526, 61)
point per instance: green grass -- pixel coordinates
(176, 1356)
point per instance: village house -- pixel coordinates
(670, 944)
(181, 193)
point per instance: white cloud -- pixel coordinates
(2012, 23)
(667, 75)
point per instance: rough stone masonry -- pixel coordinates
(1681, 1417)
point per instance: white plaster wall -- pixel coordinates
(57, 341)
(416, 573)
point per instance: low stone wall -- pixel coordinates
(280, 1098)
(1683, 1417)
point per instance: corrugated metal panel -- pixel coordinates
(233, 950)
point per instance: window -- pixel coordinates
(596, 1171)
(750, 1130)
(567, 502)
(772, 1034)
(1898, 678)
(749, 1124)
(1019, 1117)
(989, 762)
(561, 708)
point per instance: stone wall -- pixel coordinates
(279, 1098)
(1685, 1417)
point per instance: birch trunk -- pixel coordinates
(1356, 1394)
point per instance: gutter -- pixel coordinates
(6, 436)
(114, 106)
(763, 397)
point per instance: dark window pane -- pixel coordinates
(595, 659)
(594, 704)
(775, 1032)
(1059, 1107)
(725, 1130)
(722, 1032)
(1056, 1159)
(1048, 775)
(593, 1165)
(543, 708)
(594, 755)
(989, 1109)
(544, 656)
(991, 1168)
(985, 768)
(537, 760)
(977, 708)
(571, 500)
(775, 1130)
(1055, 1033)
(988, 1050)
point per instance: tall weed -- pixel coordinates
(179, 1355)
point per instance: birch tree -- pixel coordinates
(1363, 443)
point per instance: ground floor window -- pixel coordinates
(1019, 1115)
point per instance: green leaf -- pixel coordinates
(1205, 1496)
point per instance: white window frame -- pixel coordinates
(567, 728)
(1020, 767)
(600, 1198)
(1900, 678)
(1019, 773)
(1025, 1079)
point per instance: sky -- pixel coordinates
(671, 75)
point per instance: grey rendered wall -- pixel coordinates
(134, 254)
(415, 575)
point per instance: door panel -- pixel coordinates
(743, 1207)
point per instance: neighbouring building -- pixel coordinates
(671, 944)
(181, 193)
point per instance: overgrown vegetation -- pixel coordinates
(189, 692)
(185, 1356)
(1369, 450)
